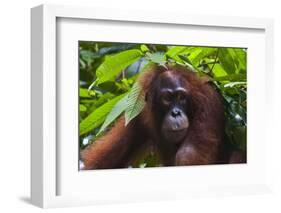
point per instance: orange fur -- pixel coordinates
(107, 149)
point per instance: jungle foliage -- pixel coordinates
(108, 88)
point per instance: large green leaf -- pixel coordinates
(114, 113)
(228, 60)
(97, 117)
(200, 54)
(174, 51)
(239, 57)
(136, 103)
(113, 65)
(217, 70)
(194, 53)
(177, 51)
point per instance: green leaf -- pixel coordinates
(144, 48)
(85, 93)
(174, 51)
(218, 71)
(239, 57)
(193, 54)
(157, 58)
(113, 65)
(187, 62)
(114, 113)
(82, 63)
(186, 59)
(136, 103)
(82, 108)
(231, 77)
(97, 117)
(201, 54)
(226, 60)
(103, 98)
(88, 56)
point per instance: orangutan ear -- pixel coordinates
(148, 97)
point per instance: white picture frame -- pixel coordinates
(49, 160)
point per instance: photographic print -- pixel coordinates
(155, 105)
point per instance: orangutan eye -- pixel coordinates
(166, 97)
(182, 97)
